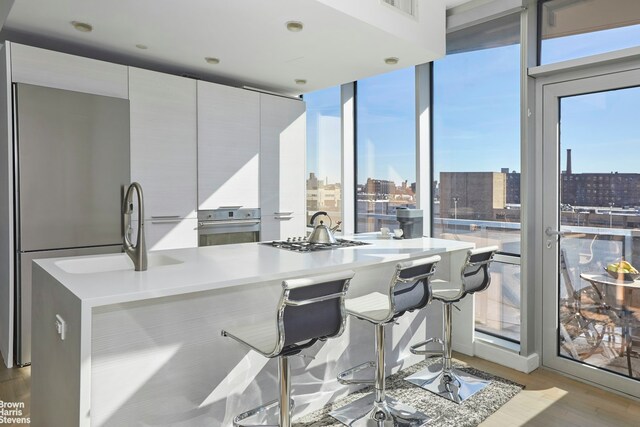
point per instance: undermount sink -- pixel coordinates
(108, 263)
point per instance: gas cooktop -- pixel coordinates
(300, 244)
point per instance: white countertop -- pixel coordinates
(218, 267)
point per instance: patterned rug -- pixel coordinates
(441, 412)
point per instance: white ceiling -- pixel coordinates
(249, 37)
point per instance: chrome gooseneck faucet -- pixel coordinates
(137, 252)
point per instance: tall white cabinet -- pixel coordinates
(228, 146)
(282, 167)
(164, 155)
(47, 68)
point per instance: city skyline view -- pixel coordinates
(468, 115)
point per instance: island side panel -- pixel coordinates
(55, 363)
(164, 362)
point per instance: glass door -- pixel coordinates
(591, 223)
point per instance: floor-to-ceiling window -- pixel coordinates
(385, 148)
(476, 159)
(324, 160)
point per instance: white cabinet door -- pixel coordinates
(282, 226)
(282, 155)
(164, 142)
(167, 233)
(228, 146)
(171, 234)
(43, 67)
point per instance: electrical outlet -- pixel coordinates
(61, 326)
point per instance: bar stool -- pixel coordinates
(310, 309)
(409, 290)
(441, 378)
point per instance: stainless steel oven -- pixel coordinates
(228, 225)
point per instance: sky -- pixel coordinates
(602, 130)
(476, 116)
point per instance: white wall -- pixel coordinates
(5, 7)
(6, 212)
(428, 31)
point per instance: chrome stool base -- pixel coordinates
(455, 385)
(365, 412)
(268, 413)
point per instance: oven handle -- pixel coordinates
(207, 224)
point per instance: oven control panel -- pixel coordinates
(229, 213)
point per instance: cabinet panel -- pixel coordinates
(62, 71)
(281, 226)
(283, 155)
(168, 234)
(164, 142)
(228, 146)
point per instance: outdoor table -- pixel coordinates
(618, 295)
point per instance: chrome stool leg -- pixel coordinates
(441, 378)
(283, 403)
(377, 409)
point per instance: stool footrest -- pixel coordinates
(260, 410)
(342, 376)
(430, 353)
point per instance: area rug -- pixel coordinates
(442, 412)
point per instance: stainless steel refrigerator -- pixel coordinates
(71, 165)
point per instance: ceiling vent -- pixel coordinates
(408, 7)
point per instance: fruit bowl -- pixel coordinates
(627, 277)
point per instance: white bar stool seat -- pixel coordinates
(261, 336)
(374, 306)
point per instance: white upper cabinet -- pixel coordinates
(164, 143)
(282, 156)
(228, 146)
(42, 67)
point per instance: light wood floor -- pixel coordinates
(549, 399)
(15, 386)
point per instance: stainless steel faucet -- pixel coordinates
(137, 252)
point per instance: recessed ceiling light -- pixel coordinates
(295, 26)
(212, 60)
(392, 60)
(301, 81)
(142, 46)
(82, 26)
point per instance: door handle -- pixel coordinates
(554, 234)
(551, 232)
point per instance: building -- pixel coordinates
(601, 189)
(472, 195)
(513, 187)
(379, 187)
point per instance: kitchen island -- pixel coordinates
(144, 348)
